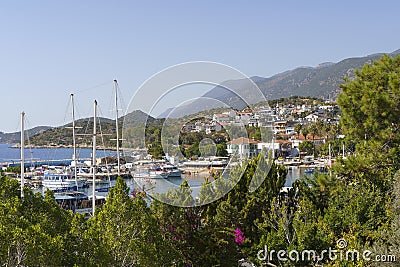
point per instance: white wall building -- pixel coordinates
(242, 146)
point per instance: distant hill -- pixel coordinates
(63, 135)
(11, 138)
(137, 116)
(322, 82)
(84, 128)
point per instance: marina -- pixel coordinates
(295, 168)
(77, 178)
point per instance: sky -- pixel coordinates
(50, 49)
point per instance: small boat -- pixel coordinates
(310, 170)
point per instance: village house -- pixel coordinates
(311, 118)
(188, 127)
(297, 140)
(244, 116)
(282, 148)
(279, 126)
(242, 146)
(221, 117)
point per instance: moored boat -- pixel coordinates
(310, 170)
(61, 182)
(171, 171)
(148, 175)
(78, 202)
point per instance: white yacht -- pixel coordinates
(61, 182)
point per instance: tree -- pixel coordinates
(221, 150)
(297, 128)
(305, 131)
(313, 131)
(371, 119)
(307, 147)
(371, 102)
(193, 150)
(33, 229)
(127, 231)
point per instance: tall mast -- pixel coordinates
(22, 153)
(330, 160)
(116, 124)
(343, 150)
(94, 158)
(330, 156)
(73, 139)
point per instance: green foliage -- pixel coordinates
(33, 230)
(15, 169)
(307, 147)
(370, 103)
(192, 150)
(156, 150)
(126, 230)
(221, 150)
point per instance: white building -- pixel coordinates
(311, 118)
(242, 146)
(221, 117)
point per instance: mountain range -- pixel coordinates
(321, 81)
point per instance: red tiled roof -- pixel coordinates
(243, 140)
(309, 137)
(282, 142)
(284, 135)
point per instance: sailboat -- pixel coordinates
(117, 128)
(107, 188)
(64, 182)
(96, 200)
(77, 201)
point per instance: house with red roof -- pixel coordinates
(243, 146)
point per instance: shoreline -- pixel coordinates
(61, 146)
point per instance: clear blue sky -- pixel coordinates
(49, 49)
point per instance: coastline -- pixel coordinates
(62, 146)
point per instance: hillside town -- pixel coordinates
(287, 122)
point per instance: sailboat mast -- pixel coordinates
(94, 158)
(116, 125)
(22, 153)
(330, 156)
(74, 139)
(343, 150)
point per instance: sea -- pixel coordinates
(9, 154)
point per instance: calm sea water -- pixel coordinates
(9, 154)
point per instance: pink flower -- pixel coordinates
(239, 236)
